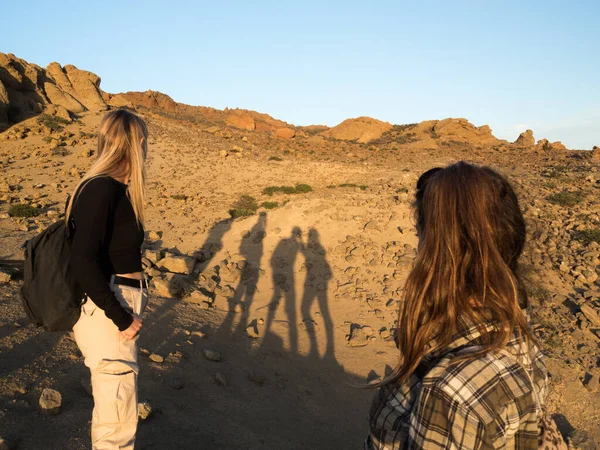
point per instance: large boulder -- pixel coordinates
(558, 146)
(285, 133)
(361, 129)
(464, 131)
(87, 87)
(62, 98)
(240, 120)
(525, 140)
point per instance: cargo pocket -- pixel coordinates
(127, 398)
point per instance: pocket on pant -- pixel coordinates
(127, 398)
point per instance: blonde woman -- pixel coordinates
(106, 208)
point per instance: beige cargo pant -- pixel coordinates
(112, 361)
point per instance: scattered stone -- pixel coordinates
(144, 410)
(357, 338)
(176, 383)
(177, 264)
(252, 330)
(212, 355)
(50, 401)
(257, 378)
(4, 277)
(590, 315)
(153, 236)
(220, 379)
(156, 358)
(199, 334)
(580, 440)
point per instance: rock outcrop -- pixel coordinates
(285, 133)
(454, 129)
(240, 120)
(525, 140)
(27, 89)
(361, 129)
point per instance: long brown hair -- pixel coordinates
(122, 150)
(471, 234)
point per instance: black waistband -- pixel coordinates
(131, 282)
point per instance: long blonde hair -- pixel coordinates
(122, 150)
(471, 234)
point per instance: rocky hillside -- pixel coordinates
(278, 256)
(27, 90)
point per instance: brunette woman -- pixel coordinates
(470, 375)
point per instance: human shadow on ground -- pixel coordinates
(316, 285)
(261, 394)
(282, 265)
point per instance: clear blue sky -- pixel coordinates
(510, 64)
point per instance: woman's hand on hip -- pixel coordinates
(133, 329)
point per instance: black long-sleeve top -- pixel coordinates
(107, 241)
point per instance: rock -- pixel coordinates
(357, 338)
(162, 288)
(156, 358)
(593, 385)
(240, 120)
(63, 99)
(212, 130)
(87, 88)
(220, 379)
(4, 277)
(176, 383)
(361, 129)
(144, 410)
(525, 140)
(558, 146)
(198, 297)
(590, 315)
(252, 330)
(285, 133)
(177, 264)
(580, 440)
(153, 236)
(212, 355)
(50, 401)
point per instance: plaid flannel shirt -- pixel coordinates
(486, 403)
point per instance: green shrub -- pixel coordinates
(362, 187)
(303, 189)
(298, 189)
(586, 237)
(402, 190)
(23, 210)
(270, 205)
(244, 207)
(60, 151)
(53, 123)
(275, 158)
(567, 198)
(179, 197)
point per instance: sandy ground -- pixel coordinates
(321, 266)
